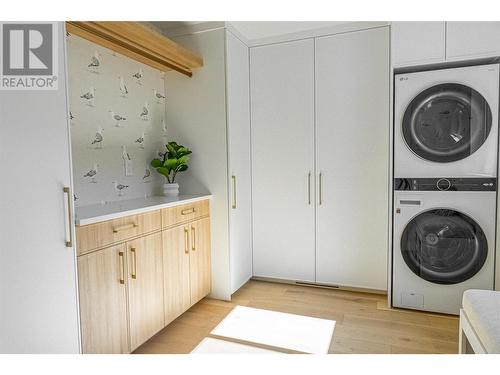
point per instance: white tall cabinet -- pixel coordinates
(418, 43)
(38, 283)
(320, 159)
(240, 194)
(466, 40)
(352, 158)
(438, 42)
(209, 113)
(282, 113)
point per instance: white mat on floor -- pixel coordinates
(294, 333)
(215, 346)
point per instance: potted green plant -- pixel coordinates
(175, 160)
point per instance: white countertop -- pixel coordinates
(113, 210)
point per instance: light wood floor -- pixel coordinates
(364, 323)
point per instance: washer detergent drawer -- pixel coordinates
(409, 202)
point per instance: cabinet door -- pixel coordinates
(282, 115)
(416, 43)
(200, 269)
(176, 271)
(352, 145)
(145, 288)
(238, 120)
(103, 301)
(472, 39)
(38, 294)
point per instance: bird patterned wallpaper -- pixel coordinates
(117, 119)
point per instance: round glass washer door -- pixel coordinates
(446, 122)
(444, 246)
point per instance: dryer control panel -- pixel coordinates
(446, 184)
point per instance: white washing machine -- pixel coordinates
(446, 122)
(444, 241)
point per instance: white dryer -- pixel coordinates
(444, 241)
(446, 122)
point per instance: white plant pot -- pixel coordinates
(171, 190)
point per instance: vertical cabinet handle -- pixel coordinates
(69, 241)
(309, 188)
(234, 192)
(186, 241)
(320, 188)
(134, 264)
(122, 267)
(193, 238)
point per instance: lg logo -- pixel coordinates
(29, 52)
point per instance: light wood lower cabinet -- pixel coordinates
(145, 288)
(103, 301)
(199, 260)
(130, 291)
(187, 266)
(176, 271)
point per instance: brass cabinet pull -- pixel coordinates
(124, 227)
(309, 188)
(186, 241)
(234, 192)
(134, 268)
(122, 267)
(188, 211)
(67, 191)
(320, 188)
(193, 238)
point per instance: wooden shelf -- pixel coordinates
(138, 42)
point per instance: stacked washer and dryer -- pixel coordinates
(445, 182)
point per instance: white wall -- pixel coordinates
(87, 119)
(196, 114)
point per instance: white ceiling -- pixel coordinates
(254, 30)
